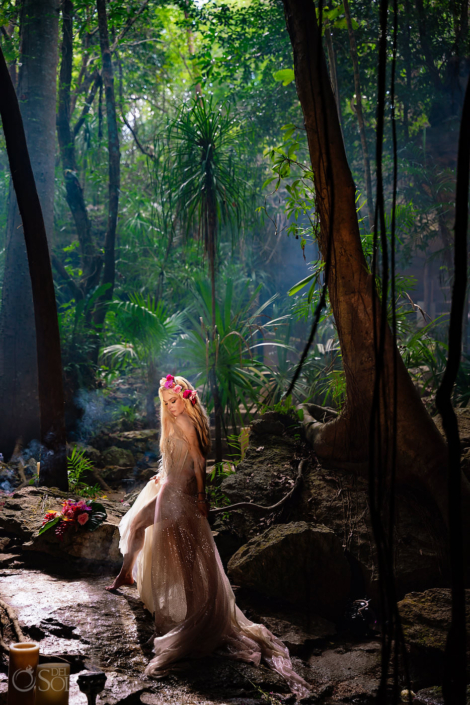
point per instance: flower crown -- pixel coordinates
(168, 382)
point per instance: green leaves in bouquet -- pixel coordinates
(49, 525)
(97, 517)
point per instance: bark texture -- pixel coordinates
(66, 138)
(19, 411)
(421, 451)
(51, 398)
(114, 158)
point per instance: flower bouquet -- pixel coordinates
(78, 513)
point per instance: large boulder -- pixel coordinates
(21, 518)
(136, 441)
(426, 618)
(118, 456)
(337, 498)
(299, 562)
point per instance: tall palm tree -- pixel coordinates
(202, 160)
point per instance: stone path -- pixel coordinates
(75, 617)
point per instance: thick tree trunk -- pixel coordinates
(19, 410)
(51, 398)
(421, 450)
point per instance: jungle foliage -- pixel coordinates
(216, 186)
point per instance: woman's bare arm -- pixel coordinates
(199, 469)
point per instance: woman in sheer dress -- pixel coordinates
(169, 550)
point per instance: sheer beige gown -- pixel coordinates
(181, 580)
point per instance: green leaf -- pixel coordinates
(289, 129)
(49, 525)
(342, 24)
(269, 181)
(97, 517)
(284, 75)
(300, 285)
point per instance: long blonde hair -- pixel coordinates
(197, 413)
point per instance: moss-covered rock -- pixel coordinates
(339, 500)
(426, 618)
(298, 562)
(118, 456)
(433, 696)
(135, 441)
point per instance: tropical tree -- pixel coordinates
(48, 356)
(210, 192)
(19, 411)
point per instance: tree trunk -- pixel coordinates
(454, 678)
(360, 116)
(114, 157)
(73, 189)
(19, 410)
(421, 450)
(333, 72)
(407, 59)
(51, 397)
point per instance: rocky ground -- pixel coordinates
(295, 569)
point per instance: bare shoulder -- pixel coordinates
(188, 429)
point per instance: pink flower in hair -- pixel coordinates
(170, 382)
(190, 394)
(162, 381)
(178, 389)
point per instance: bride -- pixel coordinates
(169, 550)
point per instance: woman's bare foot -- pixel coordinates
(122, 579)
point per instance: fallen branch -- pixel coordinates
(13, 617)
(259, 507)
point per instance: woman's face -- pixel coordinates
(174, 402)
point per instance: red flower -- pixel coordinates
(190, 394)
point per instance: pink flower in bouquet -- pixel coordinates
(83, 518)
(83, 506)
